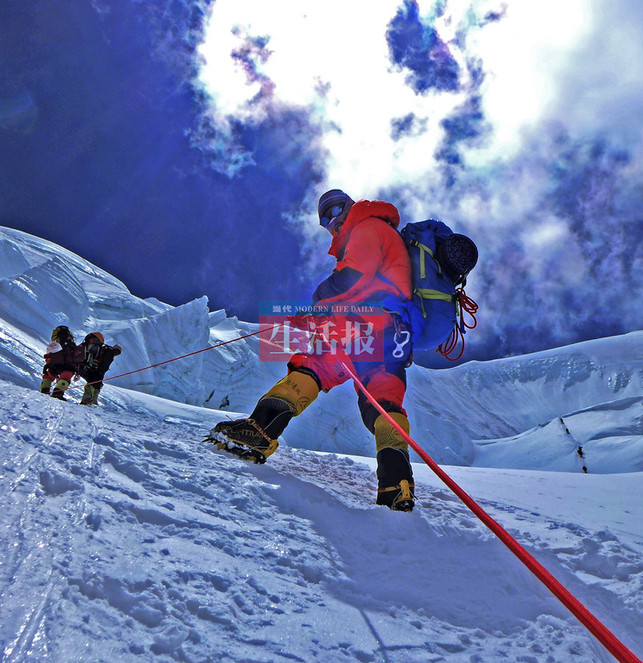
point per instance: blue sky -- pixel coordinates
(184, 149)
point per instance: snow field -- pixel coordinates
(131, 539)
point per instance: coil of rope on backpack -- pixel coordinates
(464, 304)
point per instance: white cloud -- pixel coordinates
(543, 61)
(578, 62)
(524, 55)
(556, 75)
(340, 48)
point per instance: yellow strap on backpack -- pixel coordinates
(429, 293)
(425, 249)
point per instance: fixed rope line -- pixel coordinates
(591, 622)
(169, 361)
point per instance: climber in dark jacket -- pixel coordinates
(98, 358)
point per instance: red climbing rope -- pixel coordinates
(168, 361)
(465, 305)
(592, 623)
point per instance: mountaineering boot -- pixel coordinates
(395, 487)
(255, 438)
(59, 390)
(299, 389)
(45, 386)
(244, 438)
(90, 395)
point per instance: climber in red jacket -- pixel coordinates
(372, 263)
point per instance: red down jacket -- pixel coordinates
(371, 258)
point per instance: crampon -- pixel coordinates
(244, 439)
(398, 498)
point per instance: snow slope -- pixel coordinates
(126, 539)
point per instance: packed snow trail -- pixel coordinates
(126, 538)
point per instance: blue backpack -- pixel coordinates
(440, 263)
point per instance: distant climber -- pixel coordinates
(372, 263)
(62, 362)
(98, 357)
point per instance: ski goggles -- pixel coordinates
(325, 221)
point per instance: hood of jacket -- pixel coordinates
(363, 211)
